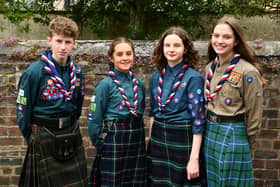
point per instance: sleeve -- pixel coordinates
(196, 104)
(81, 95)
(143, 103)
(253, 101)
(97, 110)
(27, 88)
(152, 97)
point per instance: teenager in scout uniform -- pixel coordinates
(177, 112)
(233, 91)
(50, 97)
(118, 104)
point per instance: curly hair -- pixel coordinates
(191, 57)
(64, 26)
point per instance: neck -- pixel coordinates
(172, 64)
(224, 58)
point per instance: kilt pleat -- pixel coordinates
(227, 155)
(40, 168)
(168, 154)
(121, 157)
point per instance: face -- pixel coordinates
(123, 57)
(61, 47)
(173, 49)
(223, 40)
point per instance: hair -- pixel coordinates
(65, 26)
(191, 57)
(242, 48)
(114, 43)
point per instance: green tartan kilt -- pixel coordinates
(40, 168)
(227, 155)
(168, 154)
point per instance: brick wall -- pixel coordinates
(16, 56)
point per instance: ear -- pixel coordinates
(75, 42)
(49, 40)
(111, 59)
(235, 43)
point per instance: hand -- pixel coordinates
(193, 169)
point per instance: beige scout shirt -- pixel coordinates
(240, 94)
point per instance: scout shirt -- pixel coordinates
(108, 104)
(187, 106)
(39, 96)
(240, 94)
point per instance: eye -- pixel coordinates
(166, 45)
(119, 54)
(177, 45)
(129, 53)
(215, 35)
(227, 37)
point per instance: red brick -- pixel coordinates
(274, 123)
(259, 183)
(11, 141)
(3, 131)
(5, 180)
(276, 144)
(14, 131)
(258, 164)
(265, 154)
(268, 134)
(265, 174)
(273, 164)
(266, 144)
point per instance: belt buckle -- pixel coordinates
(62, 122)
(214, 118)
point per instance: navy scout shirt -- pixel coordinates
(108, 104)
(38, 95)
(187, 106)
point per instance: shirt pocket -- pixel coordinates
(231, 91)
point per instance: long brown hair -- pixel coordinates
(242, 48)
(191, 57)
(116, 42)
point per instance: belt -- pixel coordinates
(55, 123)
(225, 119)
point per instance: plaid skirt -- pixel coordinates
(121, 156)
(168, 154)
(227, 155)
(40, 168)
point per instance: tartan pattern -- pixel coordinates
(227, 155)
(168, 154)
(40, 168)
(121, 157)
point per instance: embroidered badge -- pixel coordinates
(176, 100)
(20, 108)
(191, 95)
(202, 116)
(234, 77)
(193, 114)
(200, 109)
(201, 99)
(50, 82)
(23, 100)
(250, 79)
(120, 107)
(20, 115)
(78, 83)
(18, 99)
(195, 101)
(90, 115)
(198, 91)
(21, 92)
(93, 107)
(228, 101)
(93, 98)
(197, 122)
(183, 84)
(190, 106)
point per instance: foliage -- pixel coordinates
(134, 18)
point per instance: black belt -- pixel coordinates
(225, 119)
(55, 123)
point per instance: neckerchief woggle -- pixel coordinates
(211, 71)
(175, 86)
(55, 76)
(135, 87)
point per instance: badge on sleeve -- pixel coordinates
(250, 79)
(234, 77)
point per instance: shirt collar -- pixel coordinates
(175, 69)
(121, 75)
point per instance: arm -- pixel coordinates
(27, 95)
(98, 107)
(253, 103)
(193, 164)
(81, 94)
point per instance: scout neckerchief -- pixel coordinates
(50, 67)
(211, 96)
(176, 84)
(135, 87)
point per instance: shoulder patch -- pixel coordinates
(234, 77)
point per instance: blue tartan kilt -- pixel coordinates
(121, 157)
(40, 168)
(227, 155)
(168, 154)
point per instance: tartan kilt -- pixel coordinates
(168, 154)
(121, 155)
(227, 155)
(40, 168)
